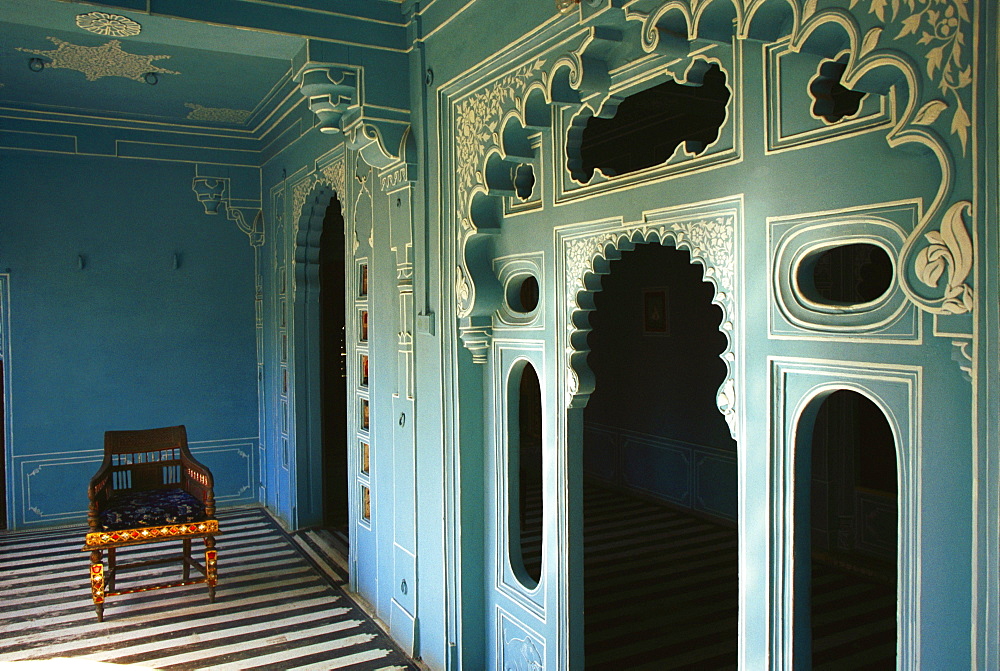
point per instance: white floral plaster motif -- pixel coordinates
(711, 242)
(102, 23)
(106, 60)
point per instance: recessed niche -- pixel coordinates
(364, 370)
(363, 326)
(366, 504)
(363, 280)
(522, 294)
(365, 457)
(832, 101)
(524, 180)
(648, 126)
(524, 460)
(847, 275)
(365, 415)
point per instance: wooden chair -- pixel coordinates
(149, 489)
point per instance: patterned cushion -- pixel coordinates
(129, 510)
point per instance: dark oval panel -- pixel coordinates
(848, 274)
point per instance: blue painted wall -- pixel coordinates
(128, 341)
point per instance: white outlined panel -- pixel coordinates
(507, 356)
(796, 385)
(791, 123)
(794, 313)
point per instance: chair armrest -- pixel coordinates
(98, 492)
(197, 480)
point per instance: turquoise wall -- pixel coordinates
(127, 341)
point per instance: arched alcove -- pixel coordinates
(660, 480)
(320, 397)
(846, 513)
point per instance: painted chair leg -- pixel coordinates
(112, 573)
(211, 575)
(97, 583)
(187, 558)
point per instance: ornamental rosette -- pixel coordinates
(102, 23)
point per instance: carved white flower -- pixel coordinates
(102, 23)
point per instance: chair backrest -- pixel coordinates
(146, 459)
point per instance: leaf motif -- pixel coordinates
(929, 271)
(953, 306)
(853, 2)
(871, 40)
(956, 238)
(965, 78)
(810, 8)
(934, 237)
(910, 25)
(926, 38)
(960, 126)
(895, 8)
(963, 10)
(929, 113)
(878, 9)
(968, 298)
(934, 57)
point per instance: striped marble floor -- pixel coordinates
(274, 609)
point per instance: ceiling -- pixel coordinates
(113, 64)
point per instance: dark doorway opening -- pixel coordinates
(333, 371)
(853, 512)
(660, 489)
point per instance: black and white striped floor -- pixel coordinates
(275, 609)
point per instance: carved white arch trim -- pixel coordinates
(708, 231)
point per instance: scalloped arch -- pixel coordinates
(709, 235)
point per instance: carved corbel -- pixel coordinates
(335, 94)
(331, 92)
(214, 194)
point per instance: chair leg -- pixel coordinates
(187, 558)
(97, 583)
(109, 578)
(210, 568)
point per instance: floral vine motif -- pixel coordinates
(522, 655)
(462, 289)
(333, 175)
(711, 243)
(711, 238)
(221, 114)
(944, 24)
(951, 249)
(478, 117)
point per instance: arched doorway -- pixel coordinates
(333, 371)
(319, 388)
(660, 481)
(847, 526)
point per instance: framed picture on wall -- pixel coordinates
(655, 312)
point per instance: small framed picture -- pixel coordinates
(655, 312)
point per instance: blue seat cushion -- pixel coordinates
(133, 509)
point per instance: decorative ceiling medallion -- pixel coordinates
(107, 60)
(223, 114)
(108, 24)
